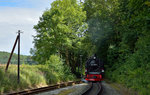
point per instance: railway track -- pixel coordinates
(95, 89)
(44, 89)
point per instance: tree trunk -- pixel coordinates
(67, 57)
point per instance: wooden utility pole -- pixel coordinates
(17, 39)
(11, 54)
(19, 56)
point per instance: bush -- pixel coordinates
(62, 72)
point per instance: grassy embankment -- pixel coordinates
(33, 76)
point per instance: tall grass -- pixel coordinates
(34, 75)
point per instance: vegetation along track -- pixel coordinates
(95, 89)
(43, 89)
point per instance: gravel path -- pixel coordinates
(108, 90)
(80, 88)
(71, 90)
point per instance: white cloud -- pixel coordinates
(13, 19)
(22, 17)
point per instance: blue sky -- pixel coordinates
(20, 15)
(25, 3)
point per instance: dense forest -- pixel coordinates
(116, 30)
(4, 56)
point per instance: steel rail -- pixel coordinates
(89, 89)
(98, 92)
(44, 89)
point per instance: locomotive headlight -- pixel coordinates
(102, 70)
(85, 70)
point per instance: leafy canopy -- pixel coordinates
(59, 29)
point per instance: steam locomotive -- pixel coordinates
(94, 69)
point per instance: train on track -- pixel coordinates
(94, 69)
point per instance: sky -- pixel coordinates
(20, 15)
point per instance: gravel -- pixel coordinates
(75, 90)
(78, 89)
(108, 90)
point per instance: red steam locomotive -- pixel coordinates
(94, 69)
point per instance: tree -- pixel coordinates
(60, 31)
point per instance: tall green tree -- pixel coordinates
(132, 63)
(60, 30)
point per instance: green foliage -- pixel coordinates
(57, 67)
(131, 65)
(28, 77)
(33, 76)
(4, 56)
(100, 14)
(60, 31)
(119, 29)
